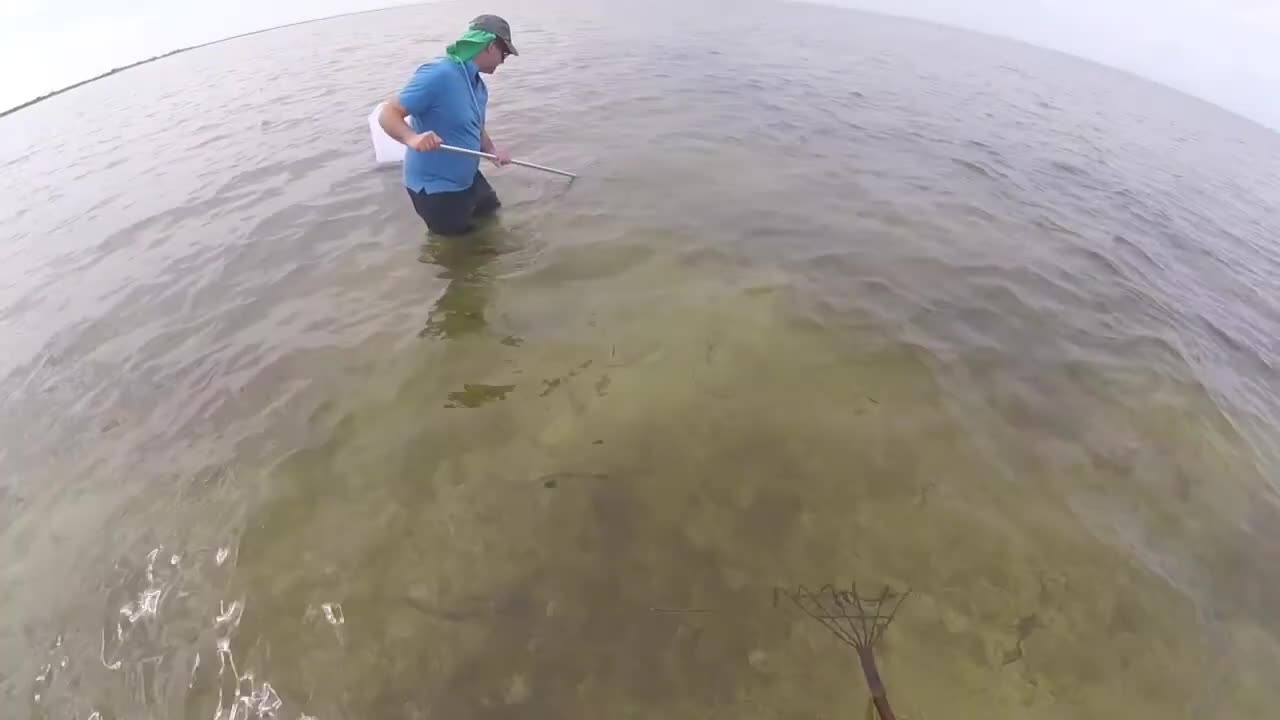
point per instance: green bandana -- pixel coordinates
(470, 45)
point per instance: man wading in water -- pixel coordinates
(445, 101)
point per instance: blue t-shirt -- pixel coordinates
(449, 99)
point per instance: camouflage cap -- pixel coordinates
(497, 26)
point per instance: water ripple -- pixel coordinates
(1036, 320)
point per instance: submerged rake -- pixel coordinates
(858, 621)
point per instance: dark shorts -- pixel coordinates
(452, 213)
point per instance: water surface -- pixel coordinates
(837, 298)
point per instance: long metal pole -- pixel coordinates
(464, 151)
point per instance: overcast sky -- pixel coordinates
(49, 44)
(1226, 51)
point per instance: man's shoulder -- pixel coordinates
(431, 77)
(435, 66)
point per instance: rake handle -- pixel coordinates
(477, 153)
(878, 695)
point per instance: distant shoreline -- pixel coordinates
(122, 68)
(108, 73)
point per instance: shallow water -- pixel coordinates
(894, 304)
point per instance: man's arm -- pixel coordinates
(392, 120)
(487, 146)
(416, 99)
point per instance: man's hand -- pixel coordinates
(488, 146)
(424, 142)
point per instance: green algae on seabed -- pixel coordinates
(736, 450)
(475, 394)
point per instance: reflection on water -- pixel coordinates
(466, 264)
(936, 313)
